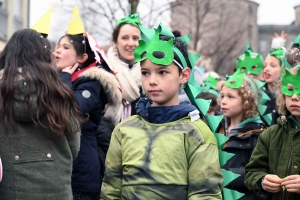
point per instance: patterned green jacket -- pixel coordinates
(175, 160)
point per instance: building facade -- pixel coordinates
(14, 15)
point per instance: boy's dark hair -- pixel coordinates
(183, 48)
(208, 96)
(28, 55)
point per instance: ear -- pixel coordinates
(81, 59)
(185, 75)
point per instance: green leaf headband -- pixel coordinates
(249, 59)
(235, 81)
(293, 81)
(278, 53)
(161, 52)
(213, 81)
(133, 19)
(296, 42)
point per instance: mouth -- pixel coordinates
(57, 58)
(154, 91)
(294, 106)
(224, 109)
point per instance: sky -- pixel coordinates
(277, 12)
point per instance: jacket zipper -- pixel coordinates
(288, 171)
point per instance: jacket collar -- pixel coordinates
(163, 114)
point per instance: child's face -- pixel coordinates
(231, 102)
(271, 71)
(293, 105)
(162, 83)
(65, 54)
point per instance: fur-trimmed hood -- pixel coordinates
(111, 87)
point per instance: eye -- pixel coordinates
(254, 67)
(290, 87)
(163, 72)
(136, 38)
(144, 73)
(125, 38)
(243, 69)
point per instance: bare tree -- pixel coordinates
(100, 16)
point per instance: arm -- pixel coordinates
(112, 182)
(204, 174)
(87, 95)
(258, 166)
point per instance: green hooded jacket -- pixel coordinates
(277, 152)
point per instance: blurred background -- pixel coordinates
(220, 28)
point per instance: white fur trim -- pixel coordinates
(278, 43)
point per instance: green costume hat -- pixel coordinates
(290, 83)
(162, 52)
(248, 60)
(133, 19)
(296, 42)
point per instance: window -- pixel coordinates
(17, 7)
(2, 4)
(263, 46)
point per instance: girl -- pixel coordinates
(273, 170)
(125, 39)
(238, 101)
(95, 89)
(39, 120)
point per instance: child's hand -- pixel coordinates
(283, 35)
(272, 183)
(71, 69)
(292, 183)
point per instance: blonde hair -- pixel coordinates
(280, 101)
(249, 97)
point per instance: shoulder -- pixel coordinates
(202, 129)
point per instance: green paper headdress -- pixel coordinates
(133, 19)
(296, 42)
(161, 52)
(278, 53)
(210, 85)
(235, 81)
(290, 83)
(250, 62)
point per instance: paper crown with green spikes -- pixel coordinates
(210, 86)
(296, 42)
(236, 80)
(250, 62)
(290, 83)
(133, 19)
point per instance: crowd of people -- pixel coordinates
(142, 121)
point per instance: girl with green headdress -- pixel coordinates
(239, 104)
(273, 170)
(125, 39)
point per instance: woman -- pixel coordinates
(125, 39)
(38, 122)
(96, 89)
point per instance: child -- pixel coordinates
(95, 89)
(273, 170)
(38, 114)
(238, 101)
(166, 151)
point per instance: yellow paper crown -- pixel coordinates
(75, 25)
(43, 25)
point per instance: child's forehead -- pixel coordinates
(147, 64)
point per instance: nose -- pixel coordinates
(295, 97)
(152, 79)
(132, 42)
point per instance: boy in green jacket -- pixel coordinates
(273, 170)
(166, 151)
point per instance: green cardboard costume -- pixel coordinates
(250, 62)
(162, 52)
(133, 19)
(290, 84)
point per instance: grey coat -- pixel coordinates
(37, 164)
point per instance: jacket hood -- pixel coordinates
(163, 114)
(250, 125)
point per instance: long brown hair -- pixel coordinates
(28, 55)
